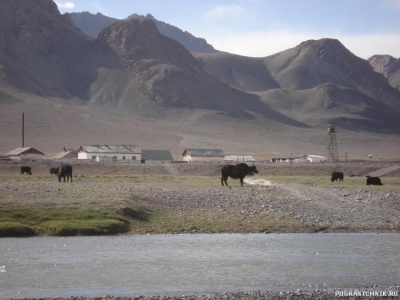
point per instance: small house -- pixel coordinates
(290, 159)
(128, 153)
(316, 158)
(203, 155)
(66, 156)
(27, 153)
(156, 157)
(239, 158)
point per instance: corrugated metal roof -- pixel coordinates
(111, 149)
(20, 151)
(156, 155)
(205, 152)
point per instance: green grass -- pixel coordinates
(60, 222)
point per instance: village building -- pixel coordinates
(239, 158)
(27, 153)
(104, 153)
(290, 159)
(156, 157)
(203, 155)
(66, 156)
(316, 158)
(299, 159)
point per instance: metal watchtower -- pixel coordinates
(331, 145)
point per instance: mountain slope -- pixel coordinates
(36, 45)
(358, 97)
(388, 66)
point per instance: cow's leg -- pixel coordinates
(59, 178)
(241, 181)
(71, 176)
(222, 181)
(225, 179)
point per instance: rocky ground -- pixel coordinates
(332, 207)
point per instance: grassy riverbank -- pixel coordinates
(112, 199)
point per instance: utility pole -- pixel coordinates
(23, 129)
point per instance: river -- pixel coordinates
(195, 263)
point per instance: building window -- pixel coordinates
(114, 158)
(123, 157)
(94, 157)
(133, 158)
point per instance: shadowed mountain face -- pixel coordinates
(388, 66)
(36, 46)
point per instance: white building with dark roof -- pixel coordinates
(26, 153)
(110, 153)
(203, 155)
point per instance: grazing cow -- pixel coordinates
(373, 180)
(239, 171)
(65, 170)
(336, 176)
(26, 169)
(54, 170)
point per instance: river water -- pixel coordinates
(195, 264)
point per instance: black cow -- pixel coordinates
(239, 171)
(26, 169)
(54, 170)
(65, 170)
(336, 176)
(373, 180)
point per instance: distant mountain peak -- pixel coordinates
(93, 24)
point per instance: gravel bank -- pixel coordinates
(351, 294)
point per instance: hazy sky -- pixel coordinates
(264, 27)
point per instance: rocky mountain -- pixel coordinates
(37, 44)
(388, 66)
(134, 83)
(92, 25)
(130, 65)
